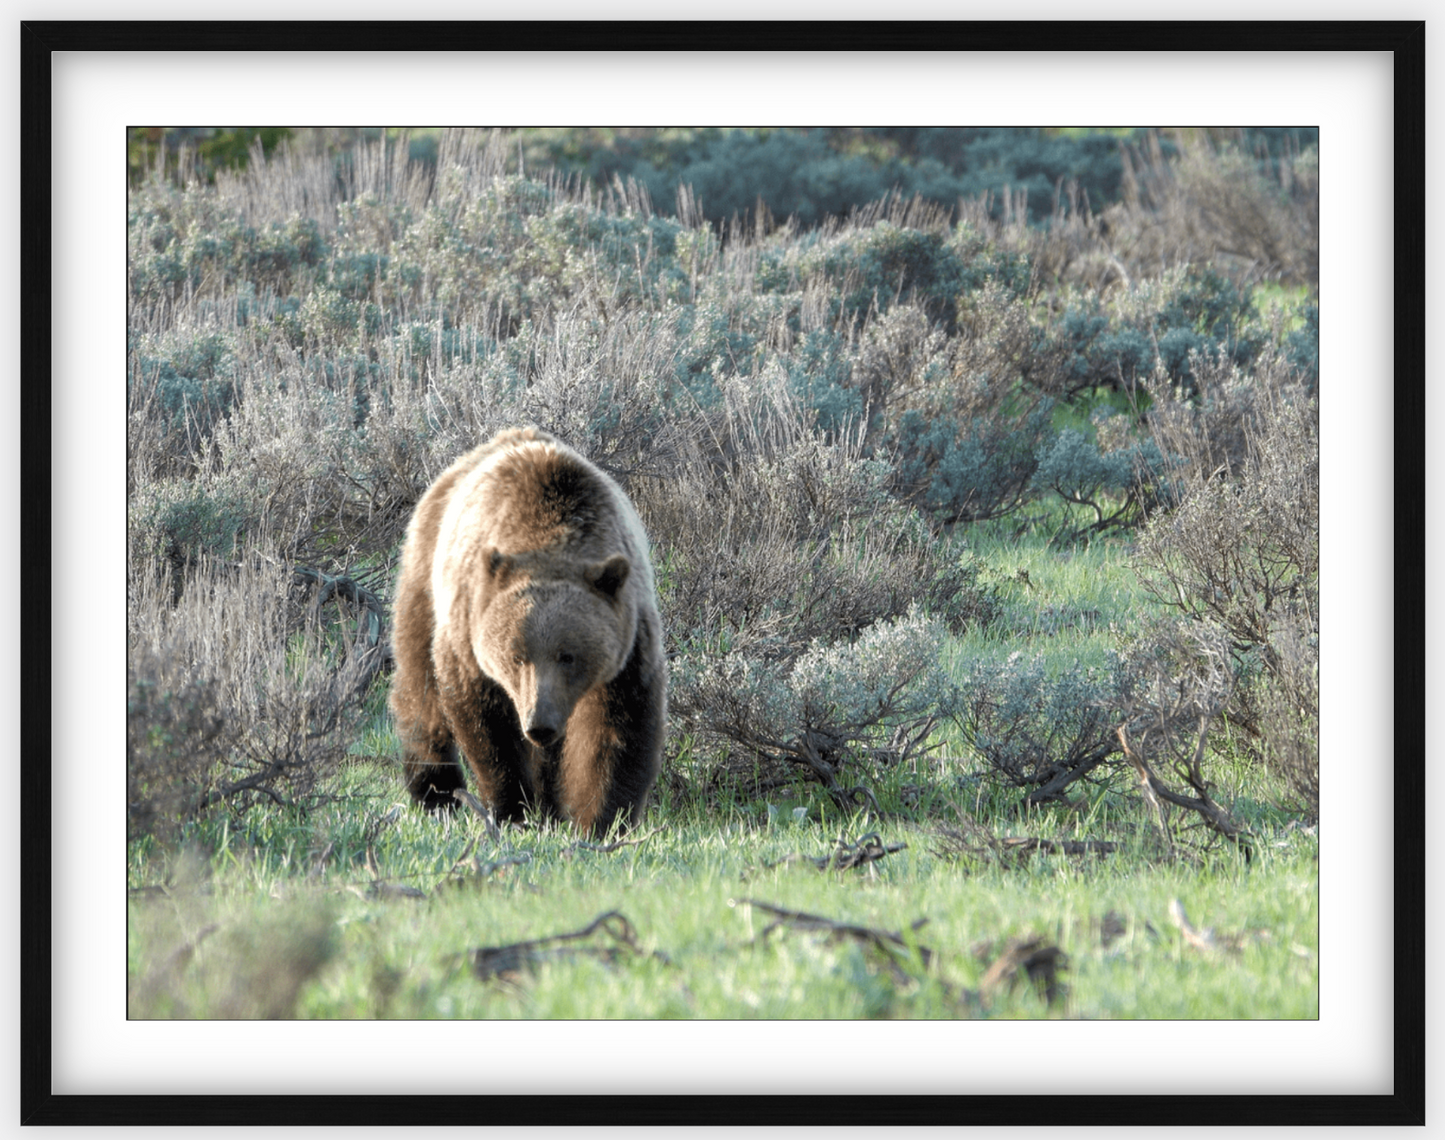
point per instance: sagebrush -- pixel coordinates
(815, 421)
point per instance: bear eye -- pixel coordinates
(565, 659)
(516, 658)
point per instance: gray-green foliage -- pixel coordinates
(1038, 726)
(182, 240)
(803, 417)
(1113, 484)
(975, 469)
(827, 708)
(872, 268)
(808, 174)
(181, 519)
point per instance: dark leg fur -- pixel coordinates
(490, 736)
(429, 752)
(431, 784)
(636, 714)
(543, 766)
(478, 721)
(429, 756)
(634, 771)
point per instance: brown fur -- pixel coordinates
(527, 635)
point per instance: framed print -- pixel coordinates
(87, 1057)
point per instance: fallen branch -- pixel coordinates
(1029, 957)
(867, 849)
(329, 587)
(859, 796)
(494, 833)
(1052, 790)
(513, 959)
(459, 872)
(1024, 845)
(382, 889)
(1207, 940)
(885, 941)
(375, 652)
(972, 838)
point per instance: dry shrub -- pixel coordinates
(1208, 204)
(319, 481)
(176, 738)
(1210, 431)
(1240, 557)
(1286, 713)
(604, 387)
(771, 534)
(1183, 678)
(1069, 252)
(900, 356)
(302, 177)
(335, 464)
(238, 694)
(288, 457)
(1215, 204)
(875, 698)
(783, 560)
(1242, 548)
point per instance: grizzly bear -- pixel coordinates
(527, 636)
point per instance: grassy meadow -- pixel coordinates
(348, 916)
(987, 550)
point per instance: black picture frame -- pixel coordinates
(1406, 1105)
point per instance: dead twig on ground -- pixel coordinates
(509, 962)
(969, 837)
(864, 851)
(1025, 845)
(886, 942)
(1212, 942)
(469, 867)
(494, 833)
(1027, 957)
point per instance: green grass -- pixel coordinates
(1288, 301)
(367, 908)
(1066, 600)
(293, 903)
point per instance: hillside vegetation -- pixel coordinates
(979, 524)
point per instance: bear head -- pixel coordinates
(549, 639)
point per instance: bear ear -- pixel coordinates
(608, 577)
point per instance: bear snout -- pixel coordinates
(542, 735)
